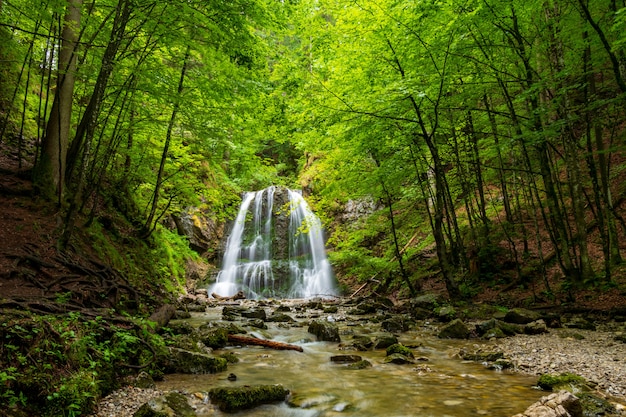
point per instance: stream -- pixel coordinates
(438, 385)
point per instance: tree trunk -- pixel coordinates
(148, 227)
(50, 170)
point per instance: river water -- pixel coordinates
(439, 385)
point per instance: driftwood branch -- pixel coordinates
(262, 342)
(239, 296)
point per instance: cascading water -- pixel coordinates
(275, 249)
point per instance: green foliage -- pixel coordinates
(60, 365)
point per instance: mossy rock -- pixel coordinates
(362, 343)
(401, 349)
(324, 331)
(521, 316)
(456, 329)
(552, 382)
(595, 406)
(360, 365)
(215, 338)
(384, 341)
(230, 357)
(398, 359)
(172, 404)
(185, 362)
(241, 398)
(480, 356)
(281, 318)
(446, 313)
(395, 324)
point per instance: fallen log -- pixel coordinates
(263, 342)
(239, 296)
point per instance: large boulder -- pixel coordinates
(559, 404)
(241, 398)
(324, 331)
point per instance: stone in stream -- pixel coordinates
(384, 341)
(345, 358)
(241, 398)
(324, 332)
(172, 404)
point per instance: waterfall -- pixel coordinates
(275, 249)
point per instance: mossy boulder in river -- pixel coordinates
(401, 349)
(242, 398)
(324, 331)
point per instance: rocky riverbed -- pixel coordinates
(597, 355)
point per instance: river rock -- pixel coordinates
(324, 331)
(395, 324)
(384, 341)
(186, 362)
(362, 343)
(241, 398)
(560, 404)
(215, 338)
(426, 301)
(172, 404)
(498, 329)
(456, 329)
(446, 313)
(144, 381)
(345, 358)
(254, 313)
(401, 349)
(579, 323)
(398, 359)
(521, 316)
(360, 364)
(536, 327)
(281, 318)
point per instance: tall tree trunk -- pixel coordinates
(84, 134)
(148, 226)
(50, 171)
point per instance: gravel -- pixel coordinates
(597, 357)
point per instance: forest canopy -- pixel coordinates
(486, 136)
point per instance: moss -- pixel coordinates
(241, 398)
(360, 365)
(401, 349)
(550, 382)
(215, 338)
(230, 357)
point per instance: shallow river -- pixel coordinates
(441, 386)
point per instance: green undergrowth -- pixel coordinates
(59, 365)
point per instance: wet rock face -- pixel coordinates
(203, 232)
